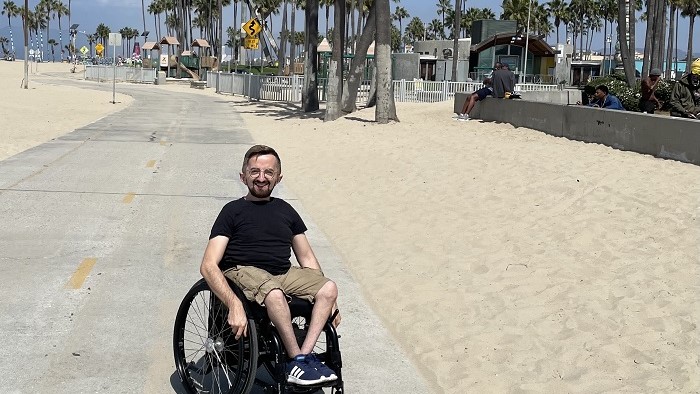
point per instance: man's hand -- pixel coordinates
(337, 319)
(238, 321)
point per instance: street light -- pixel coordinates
(527, 40)
(73, 30)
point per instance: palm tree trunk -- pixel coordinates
(689, 57)
(627, 61)
(328, 15)
(309, 96)
(335, 66)
(669, 45)
(352, 26)
(455, 43)
(385, 109)
(282, 50)
(632, 30)
(292, 34)
(357, 65)
(648, 37)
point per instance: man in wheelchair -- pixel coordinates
(250, 244)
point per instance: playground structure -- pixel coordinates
(187, 64)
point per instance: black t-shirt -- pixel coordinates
(259, 233)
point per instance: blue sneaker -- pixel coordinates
(326, 372)
(302, 372)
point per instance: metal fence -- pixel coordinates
(123, 74)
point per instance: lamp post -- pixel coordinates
(608, 40)
(527, 39)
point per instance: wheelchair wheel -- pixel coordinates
(208, 358)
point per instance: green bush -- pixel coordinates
(629, 97)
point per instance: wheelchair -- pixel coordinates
(209, 359)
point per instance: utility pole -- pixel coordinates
(26, 48)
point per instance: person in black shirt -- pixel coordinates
(250, 244)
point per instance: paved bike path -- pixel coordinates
(103, 231)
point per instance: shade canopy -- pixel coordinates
(169, 41)
(199, 42)
(150, 45)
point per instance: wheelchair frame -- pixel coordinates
(222, 364)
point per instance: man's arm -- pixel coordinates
(302, 250)
(217, 283)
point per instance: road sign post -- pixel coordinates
(115, 39)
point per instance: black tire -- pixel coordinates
(208, 358)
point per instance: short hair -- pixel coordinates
(497, 66)
(487, 81)
(602, 88)
(259, 150)
(506, 66)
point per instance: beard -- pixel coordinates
(261, 190)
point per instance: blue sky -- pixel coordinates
(120, 13)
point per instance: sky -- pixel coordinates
(127, 13)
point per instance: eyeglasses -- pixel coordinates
(255, 172)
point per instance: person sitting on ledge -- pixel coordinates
(603, 99)
(685, 97)
(473, 98)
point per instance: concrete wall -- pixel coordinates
(435, 47)
(656, 135)
(405, 66)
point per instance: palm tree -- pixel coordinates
(47, 7)
(3, 42)
(309, 96)
(52, 44)
(627, 61)
(456, 36)
(384, 111)
(557, 8)
(415, 30)
(155, 9)
(335, 65)
(399, 14)
(102, 33)
(124, 31)
(92, 39)
(689, 8)
(443, 7)
(10, 9)
(327, 5)
(434, 29)
(61, 11)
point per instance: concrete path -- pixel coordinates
(102, 234)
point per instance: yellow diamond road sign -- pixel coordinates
(99, 48)
(252, 27)
(251, 42)
(84, 50)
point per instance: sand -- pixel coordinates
(44, 111)
(503, 259)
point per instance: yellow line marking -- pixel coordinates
(151, 164)
(81, 273)
(129, 198)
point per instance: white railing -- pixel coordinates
(289, 89)
(123, 74)
(535, 87)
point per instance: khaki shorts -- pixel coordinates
(256, 283)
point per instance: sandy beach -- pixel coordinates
(501, 259)
(32, 116)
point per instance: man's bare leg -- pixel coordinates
(325, 299)
(472, 101)
(281, 317)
